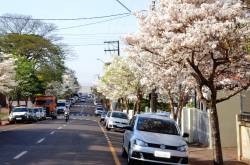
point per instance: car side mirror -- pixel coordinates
(185, 135)
(129, 128)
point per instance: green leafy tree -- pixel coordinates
(28, 84)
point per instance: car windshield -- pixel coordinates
(42, 102)
(100, 109)
(61, 104)
(36, 110)
(119, 115)
(157, 126)
(20, 110)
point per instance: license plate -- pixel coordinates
(18, 118)
(162, 154)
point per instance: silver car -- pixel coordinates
(155, 139)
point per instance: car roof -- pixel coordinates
(118, 112)
(155, 116)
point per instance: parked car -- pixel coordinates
(83, 99)
(19, 114)
(99, 111)
(33, 114)
(116, 119)
(38, 112)
(43, 113)
(155, 139)
(103, 115)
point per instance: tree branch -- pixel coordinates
(231, 95)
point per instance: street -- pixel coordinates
(55, 142)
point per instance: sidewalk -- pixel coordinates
(204, 156)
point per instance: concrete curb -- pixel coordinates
(4, 122)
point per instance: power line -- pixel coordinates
(87, 45)
(124, 6)
(93, 23)
(64, 19)
(91, 34)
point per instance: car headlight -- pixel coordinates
(182, 148)
(111, 122)
(26, 114)
(11, 115)
(141, 143)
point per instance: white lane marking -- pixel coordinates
(64, 125)
(40, 141)
(20, 155)
(52, 132)
(59, 128)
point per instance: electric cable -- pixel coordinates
(124, 6)
(93, 23)
(65, 19)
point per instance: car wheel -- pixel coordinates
(107, 128)
(124, 153)
(104, 123)
(130, 161)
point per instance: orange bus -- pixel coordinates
(49, 103)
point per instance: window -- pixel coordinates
(119, 115)
(42, 102)
(20, 110)
(157, 126)
(61, 104)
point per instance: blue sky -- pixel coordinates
(84, 60)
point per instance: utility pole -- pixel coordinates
(153, 5)
(115, 48)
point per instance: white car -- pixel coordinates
(61, 106)
(38, 112)
(99, 111)
(21, 114)
(116, 119)
(154, 139)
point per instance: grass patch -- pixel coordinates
(3, 116)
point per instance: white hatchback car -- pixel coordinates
(155, 139)
(116, 119)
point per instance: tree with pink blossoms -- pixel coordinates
(208, 39)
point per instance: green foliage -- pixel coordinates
(144, 103)
(47, 58)
(33, 47)
(39, 62)
(163, 106)
(28, 82)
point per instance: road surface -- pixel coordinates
(81, 141)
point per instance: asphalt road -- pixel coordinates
(81, 141)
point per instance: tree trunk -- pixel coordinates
(135, 105)
(171, 103)
(26, 102)
(18, 102)
(138, 102)
(153, 100)
(138, 105)
(218, 157)
(127, 105)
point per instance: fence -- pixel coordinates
(196, 123)
(243, 136)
